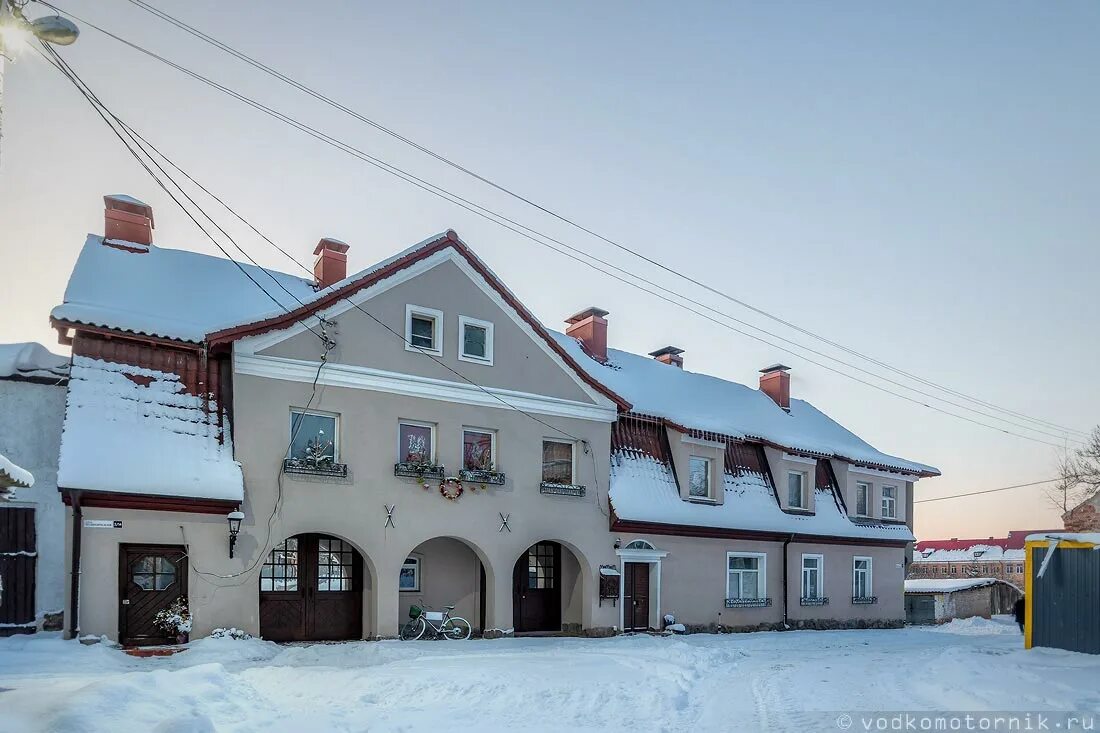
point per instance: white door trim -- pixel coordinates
(650, 557)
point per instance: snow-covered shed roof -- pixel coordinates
(137, 431)
(945, 585)
(710, 404)
(13, 477)
(31, 361)
(974, 553)
(1089, 538)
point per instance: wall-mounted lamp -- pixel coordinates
(235, 518)
(618, 543)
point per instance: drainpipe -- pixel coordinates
(74, 587)
(786, 542)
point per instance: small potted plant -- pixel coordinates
(175, 620)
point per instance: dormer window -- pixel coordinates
(863, 494)
(699, 485)
(476, 343)
(424, 329)
(796, 489)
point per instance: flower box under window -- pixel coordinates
(818, 601)
(481, 476)
(419, 470)
(864, 600)
(315, 467)
(748, 602)
(549, 487)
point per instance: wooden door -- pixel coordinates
(636, 596)
(311, 589)
(151, 578)
(18, 558)
(536, 596)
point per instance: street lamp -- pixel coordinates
(235, 518)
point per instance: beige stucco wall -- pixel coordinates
(519, 361)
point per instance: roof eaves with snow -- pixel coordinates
(32, 362)
(947, 585)
(13, 477)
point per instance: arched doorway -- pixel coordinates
(546, 588)
(444, 571)
(311, 588)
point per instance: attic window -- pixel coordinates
(979, 553)
(424, 329)
(476, 340)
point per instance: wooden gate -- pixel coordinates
(636, 596)
(311, 588)
(18, 559)
(536, 589)
(150, 578)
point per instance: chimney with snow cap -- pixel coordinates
(775, 382)
(125, 219)
(332, 262)
(669, 355)
(590, 328)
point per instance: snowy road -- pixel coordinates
(745, 682)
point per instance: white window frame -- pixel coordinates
(335, 431)
(866, 498)
(870, 576)
(893, 502)
(424, 312)
(710, 479)
(494, 462)
(464, 321)
(820, 575)
(573, 460)
(802, 477)
(417, 424)
(762, 570)
(419, 563)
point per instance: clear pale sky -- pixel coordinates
(918, 181)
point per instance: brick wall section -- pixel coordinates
(1085, 517)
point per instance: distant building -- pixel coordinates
(999, 558)
(1085, 517)
(32, 521)
(937, 601)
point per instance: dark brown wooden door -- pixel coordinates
(151, 578)
(536, 596)
(636, 596)
(311, 590)
(18, 557)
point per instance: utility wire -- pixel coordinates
(225, 47)
(987, 491)
(507, 224)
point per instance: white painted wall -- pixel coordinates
(30, 435)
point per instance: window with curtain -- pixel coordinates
(744, 578)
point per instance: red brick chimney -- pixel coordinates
(775, 382)
(332, 262)
(590, 327)
(669, 355)
(126, 219)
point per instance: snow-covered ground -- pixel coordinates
(741, 682)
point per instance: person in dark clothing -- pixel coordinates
(1018, 612)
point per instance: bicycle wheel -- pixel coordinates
(414, 629)
(456, 629)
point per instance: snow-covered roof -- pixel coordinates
(13, 477)
(31, 361)
(643, 489)
(945, 585)
(710, 404)
(1085, 537)
(134, 430)
(182, 295)
(974, 553)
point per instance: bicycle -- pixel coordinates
(442, 624)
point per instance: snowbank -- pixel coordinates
(978, 626)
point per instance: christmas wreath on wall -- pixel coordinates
(450, 489)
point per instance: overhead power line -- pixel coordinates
(537, 237)
(227, 48)
(987, 491)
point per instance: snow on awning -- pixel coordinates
(13, 477)
(643, 489)
(137, 431)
